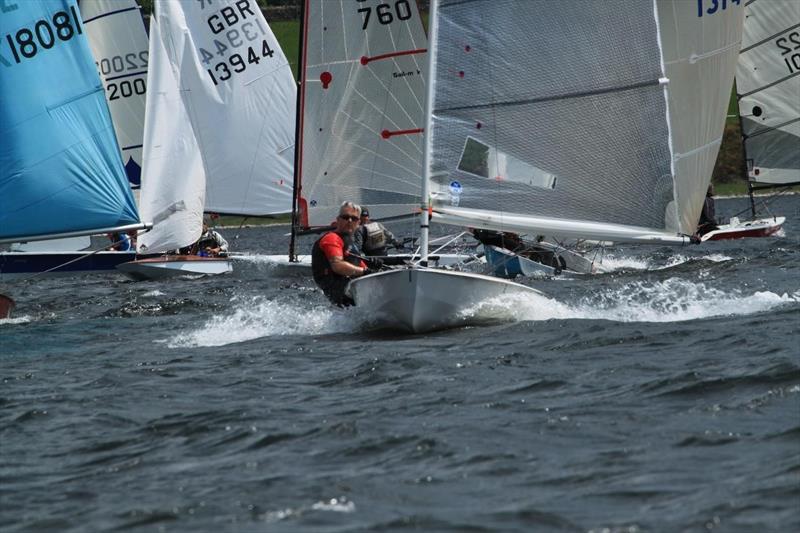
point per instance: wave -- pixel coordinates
(670, 300)
(627, 263)
(254, 317)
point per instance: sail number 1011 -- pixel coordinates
(222, 70)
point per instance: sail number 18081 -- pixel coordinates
(27, 42)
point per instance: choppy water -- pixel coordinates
(661, 396)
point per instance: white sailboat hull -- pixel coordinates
(417, 300)
(171, 266)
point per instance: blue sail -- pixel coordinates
(60, 166)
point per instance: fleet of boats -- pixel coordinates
(535, 124)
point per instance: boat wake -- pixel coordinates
(671, 300)
(17, 320)
(623, 263)
(257, 317)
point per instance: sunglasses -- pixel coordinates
(351, 218)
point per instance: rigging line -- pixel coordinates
(581, 94)
(365, 60)
(456, 3)
(776, 82)
(87, 21)
(37, 274)
(772, 128)
(759, 43)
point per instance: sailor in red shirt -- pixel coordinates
(334, 258)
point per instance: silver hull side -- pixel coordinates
(418, 300)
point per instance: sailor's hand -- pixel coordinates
(373, 263)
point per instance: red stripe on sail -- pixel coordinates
(386, 133)
(366, 59)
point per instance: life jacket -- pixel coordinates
(373, 239)
(331, 283)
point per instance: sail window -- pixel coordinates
(485, 161)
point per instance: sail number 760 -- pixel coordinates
(385, 13)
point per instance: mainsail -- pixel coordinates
(219, 122)
(60, 167)
(362, 108)
(118, 40)
(768, 88)
(586, 119)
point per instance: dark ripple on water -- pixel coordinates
(664, 398)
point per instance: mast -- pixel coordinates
(425, 203)
(745, 170)
(298, 128)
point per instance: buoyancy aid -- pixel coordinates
(331, 283)
(373, 238)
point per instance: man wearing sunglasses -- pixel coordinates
(334, 257)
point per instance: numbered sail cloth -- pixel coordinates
(60, 167)
(219, 126)
(768, 86)
(362, 107)
(118, 40)
(574, 118)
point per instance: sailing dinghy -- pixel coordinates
(616, 128)
(768, 92)
(118, 40)
(360, 116)
(61, 174)
(219, 128)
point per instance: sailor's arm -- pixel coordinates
(343, 268)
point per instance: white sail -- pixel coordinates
(219, 122)
(118, 40)
(362, 100)
(173, 179)
(242, 102)
(768, 87)
(612, 112)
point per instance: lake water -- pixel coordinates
(661, 396)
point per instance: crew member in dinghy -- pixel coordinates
(335, 257)
(708, 221)
(120, 242)
(210, 244)
(372, 238)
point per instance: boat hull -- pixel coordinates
(15, 265)
(763, 227)
(171, 266)
(418, 300)
(6, 306)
